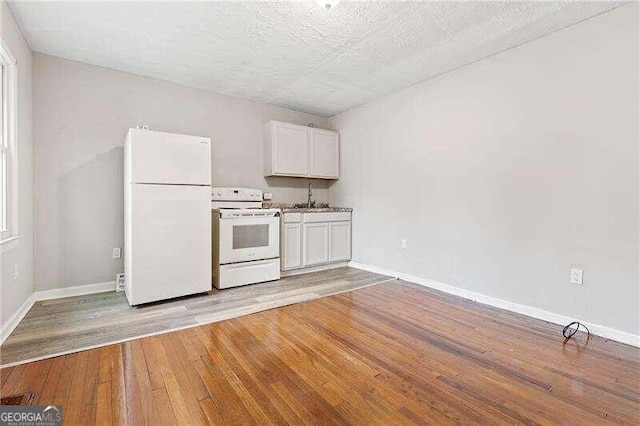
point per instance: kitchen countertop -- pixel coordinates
(315, 209)
(289, 208)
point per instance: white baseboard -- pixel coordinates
(600, 330)
(313, 269)
(79, 290)
(57, 293)
(15, 319)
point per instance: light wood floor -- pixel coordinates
(61, 326)
(392, 353)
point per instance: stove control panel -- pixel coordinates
(236, 194)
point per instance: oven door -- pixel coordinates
(243, 239)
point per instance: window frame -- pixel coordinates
(9, 237)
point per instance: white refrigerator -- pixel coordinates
(167, 220)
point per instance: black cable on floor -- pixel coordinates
(568, 331)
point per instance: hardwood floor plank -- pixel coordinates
(294, 404)
(118, 393)
(166, 415)
(143, 382)
(73, 414)
(209, 409)
(63, 383)
(135, 406)
(53, 378)
(177, 395)
(103, 404)
(227, 403)
(178, 358)
(4, 375)
(13, 380)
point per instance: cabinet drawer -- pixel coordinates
(292, 217)
(326, 217)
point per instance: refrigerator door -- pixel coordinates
(167, 158)
(170, 245)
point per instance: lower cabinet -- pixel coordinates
(311, 239)
(339, 241)
(315, 247)
(291, 245)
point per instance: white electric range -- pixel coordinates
(246, 238)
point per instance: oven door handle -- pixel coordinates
(249, 264)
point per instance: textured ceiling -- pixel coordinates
(296, 55)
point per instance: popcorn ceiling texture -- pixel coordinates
(295, 55)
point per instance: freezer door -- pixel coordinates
(167, 158)
(170, 235)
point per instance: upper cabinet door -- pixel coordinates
(325, 153)
(288, 150)
(167, 158)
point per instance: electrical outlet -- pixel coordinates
(403, 243)
(576, 276)
(116, 253)
(15, 272)
(120, 282)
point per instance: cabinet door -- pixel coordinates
(325, 153)
(290, 150)
(339, 241)
(292, 246)
(315, 243)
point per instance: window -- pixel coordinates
(8, 151)
(3, 151)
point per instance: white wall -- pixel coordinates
(81, 116)
(505, 174)
(13, 293)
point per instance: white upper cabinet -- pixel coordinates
(324, 146)
(300, 151)
(286, 149)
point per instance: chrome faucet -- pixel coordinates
(309, 204)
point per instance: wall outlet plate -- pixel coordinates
(403, 243)
(576, 276)
(120, 282)
(116, 252)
